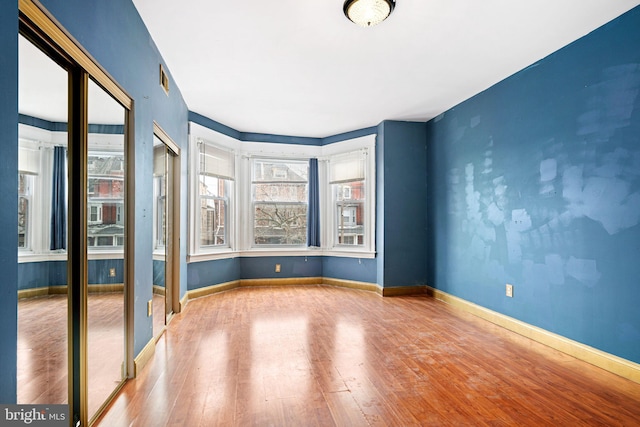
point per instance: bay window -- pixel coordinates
(256, 199)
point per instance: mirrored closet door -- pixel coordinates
(42, 359)
(73, 271)
(165, 158)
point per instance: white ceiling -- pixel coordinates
(300, 68)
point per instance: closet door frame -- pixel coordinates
(37, 25)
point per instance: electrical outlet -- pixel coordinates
(277, 268)
(112, 272)
(149, 308)
(509, 290)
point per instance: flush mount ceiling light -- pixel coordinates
(368, 13)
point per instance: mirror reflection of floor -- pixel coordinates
(42, 348)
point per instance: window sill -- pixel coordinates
(24, 257)
(211, 256)
(280, 252)
(345, 253)
(62, 256)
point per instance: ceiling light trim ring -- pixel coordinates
(368, 13)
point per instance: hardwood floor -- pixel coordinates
(42, 348)
(323, 356)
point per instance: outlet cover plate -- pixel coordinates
(509, 290)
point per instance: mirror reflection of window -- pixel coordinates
(24, 209)
(105, 206)
(42, 362)
(106, 199)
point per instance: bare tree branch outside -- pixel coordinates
(280, 202)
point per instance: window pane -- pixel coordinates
(280, 199)
(212, 228)
(213, 210)
(24, 201)
(212, 186)
(106, 191)
(280, 192)
(280, 224)
(23, 221)
(270, 170)
(105, 240)
(349, 213)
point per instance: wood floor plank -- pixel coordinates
(317, 355)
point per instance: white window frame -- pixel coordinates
(197, 252)
(42, 141)
(366, 145)
(225, 201)
(254, 202)
(240, 204)
(28, 196)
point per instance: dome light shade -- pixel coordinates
(368, 13)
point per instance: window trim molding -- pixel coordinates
(367, 144)
(240, 203)
(198, 133)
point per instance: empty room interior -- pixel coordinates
(313, 213)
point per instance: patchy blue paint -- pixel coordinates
(536, 182)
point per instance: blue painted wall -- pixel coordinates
(208, 273)
(401, 214)
(42, 274)
(8, 186)
(358, 269)
(99, 269)
(536, 182)
(290, 266)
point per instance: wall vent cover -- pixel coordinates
(164, 80)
